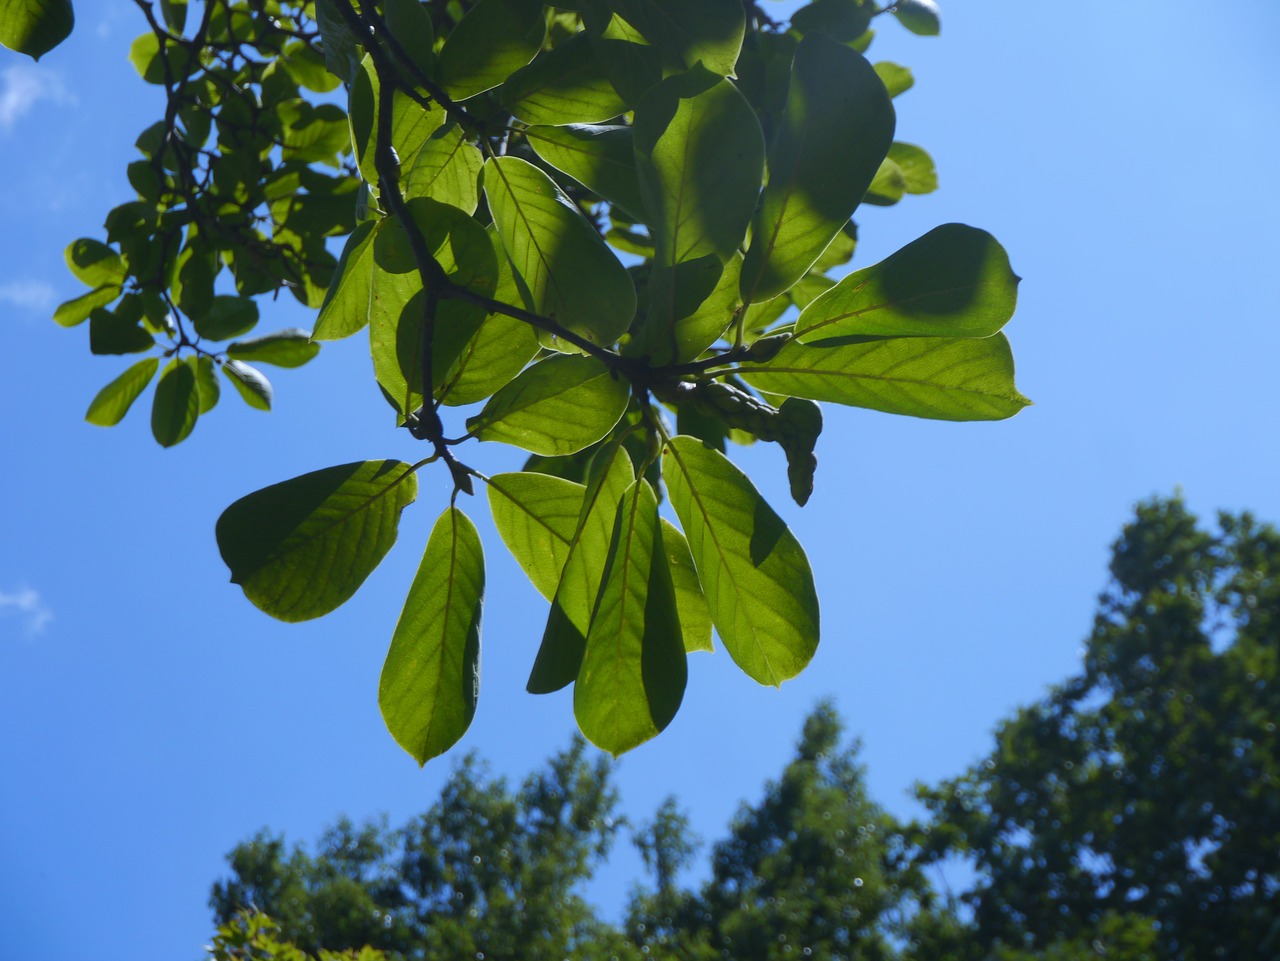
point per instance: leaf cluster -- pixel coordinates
(608, 230)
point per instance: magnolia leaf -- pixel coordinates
(633, 670)
(250, 383)
(601, 158)
(757, 580)
(566, 84)
(291, 347)
(176, 404)
(493, 40)
(302, 547)
(919, 16)
(35, 27)
(691, 603)
(943, 378)
(955, 281)
(563, 269)
(558, 406)
(431, 678)
(536, 516)
(112, 402)
(835, 131)
(345, 310)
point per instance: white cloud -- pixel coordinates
(22, 86)
(26, 603)
(33, 295)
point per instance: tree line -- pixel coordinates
(1131, 813)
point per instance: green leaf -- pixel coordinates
(112, 402)
(77, 311)
(943, 378)
(499, 350)
(118, 331)
(94, 263)
(559, 405)
(302, 547)
(634, 670)
(144, 54)
(565, 636)
(411, 125)
(757, 579)
(494, 40)
(227, 317)
(250, 383)
(955, 281)
(206, 382)
(345, 310)
(895, 77)
(684, 34)
(398, 308)
(601, 158)
(919, 175)
(563, 269)
(888, 185)
(341, 49)
(700, 159)
(447, 169)
(35, 27)
(836, 130)
(291, 347)
(919, 16)
(691, 603)
(410, 23)
(536, 516)
(431, 677)
(307, 66)
(843, 20)
(175, 14)
(566, 84)
(176, 405)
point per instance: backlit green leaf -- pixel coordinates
(431, 677)
(559, 405)
(112, 402)
(563, 85)
(633, 671)
(250, 383)
(410, 23)
(119, 331)
(563, 269)
(227, 317)
(176, 405)
(919, 176)
(207, 387)
(77, 311)
(919, 16)
(94, 263)
(601, 158)
(494, 39)
(895, 77)
(291, 347)
(565, 636)
(836, 130)
(411, 125)
(536, 516)
(302, 547)
(942, 378)
(955, 281)
(345, 310)
(691, 603)
(35, 27)
(757, 580)
(447, 169)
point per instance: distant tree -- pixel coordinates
(252, 936)
(1136, 809)
(484, 872)
(812, 870)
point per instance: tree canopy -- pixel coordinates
(608, 232)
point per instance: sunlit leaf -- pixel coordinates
(431, 677)
(250, 383)
(536, 516)
(35, 27)
(633, 671)
(302, 547)
(757, 580)
(493, 40)
(559, 405)
(836, 130)
(345, 310)
(112, 402)
(176, 405)
(691, 603)
(291, 347)
(601, 158)
(566, 84)
(942, 378)
(955, 281)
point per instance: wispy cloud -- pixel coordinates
(27, 604)
(32, 295)
(22, 86)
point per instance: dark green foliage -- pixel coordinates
(1142, 795)
(583, 218)
(485, 870)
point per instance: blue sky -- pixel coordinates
(1126, 156)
